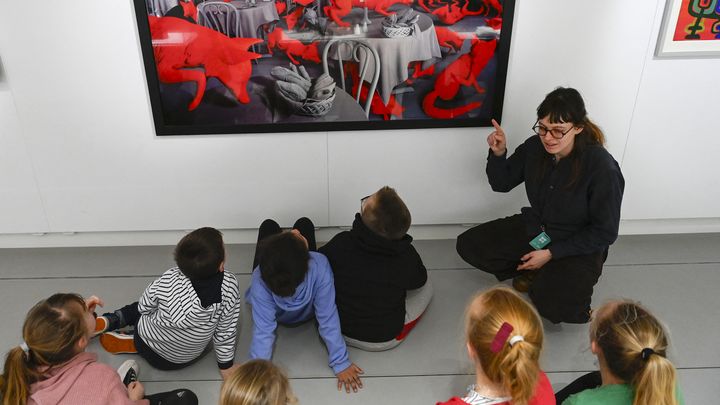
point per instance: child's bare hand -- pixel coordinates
(350, 378)
(136, 391)
(496, 140)
(92, 302)
(228, 371)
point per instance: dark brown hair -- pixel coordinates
(389, 217)
(200, 253)
(567, 105)
(283, 262)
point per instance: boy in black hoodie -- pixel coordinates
(381, 284)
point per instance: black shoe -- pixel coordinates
(129, 371)
(523, 282)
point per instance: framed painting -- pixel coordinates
(690, 28)
(249, 66)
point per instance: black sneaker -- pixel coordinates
(129, 371)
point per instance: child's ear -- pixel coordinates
(594, 347)
(470, 351)
(82, 343)
(222, 267)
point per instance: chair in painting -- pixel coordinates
(357, 51)
(219, 16)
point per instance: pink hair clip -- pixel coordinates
(501, 337)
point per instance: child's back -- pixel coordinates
(375, 265)
(372, 276)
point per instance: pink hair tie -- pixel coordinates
(501, 337)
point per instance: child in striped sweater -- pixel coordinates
(183, 310)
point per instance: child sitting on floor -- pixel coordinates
(51, 365)
(631, 347)
(504, 339)
(292, 283)
(381, 284)
(257, 382)
(183, 310)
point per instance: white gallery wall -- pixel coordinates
(78, 151)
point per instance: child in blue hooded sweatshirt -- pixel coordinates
(292, 283)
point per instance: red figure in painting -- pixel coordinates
(294, 16)
(418, 71)
(341, 8)
(189, 9)
(449, 39)
(461, 72)
(293, 47)
(450, 13)
(376, 105)
(280, 6)
(179, 45)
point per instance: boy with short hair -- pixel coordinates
(182, 311)
(292, 283)
(381, 283)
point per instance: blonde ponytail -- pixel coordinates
(634, 345)
(51, 329)
(515, 366)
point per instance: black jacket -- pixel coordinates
(582, 218)
(372, 275)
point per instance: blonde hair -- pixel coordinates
(51, 330)
(622, 330)
(515, 367)
(257, 382)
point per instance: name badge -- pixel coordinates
(540, 241)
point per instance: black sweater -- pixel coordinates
(372, 275)
(582, 218)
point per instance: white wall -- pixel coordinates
(79, 153)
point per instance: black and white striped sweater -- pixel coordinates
(176, 325)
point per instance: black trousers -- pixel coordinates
(269, 227)
(561, 290)
(129, 316)
(586, 382)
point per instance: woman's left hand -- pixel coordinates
(535, 259)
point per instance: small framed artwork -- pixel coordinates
(252, 66)
(690, 28)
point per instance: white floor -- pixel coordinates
(675, 275)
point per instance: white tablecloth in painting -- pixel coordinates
(395, 53)
(253, 17)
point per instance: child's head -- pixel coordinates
(632, 344)
(504, 338)
(257, 382)
(386, 214)
(283, 262)
(201, 253)
(55, 330)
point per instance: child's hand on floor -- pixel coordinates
(136, 391)
(350, 377)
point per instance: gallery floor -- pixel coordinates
(676, 276)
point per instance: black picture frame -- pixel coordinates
(165, 126)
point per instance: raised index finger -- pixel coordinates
(496, 125)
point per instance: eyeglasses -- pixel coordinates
(362, 202)
(556, 133)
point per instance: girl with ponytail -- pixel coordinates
(50, 365)
(504, 338)
(631, 347)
